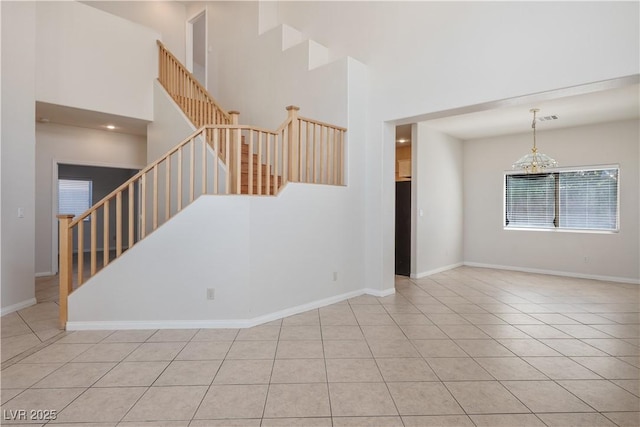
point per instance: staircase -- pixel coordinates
(221, 157)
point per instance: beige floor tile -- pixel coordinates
(542, 331)
(573, 347)
(367, 422)
(518, 318)
(233, 401)
(244, 372)
(620, 331)
(84, 337)
(252, 350)
(204, 350)
(296, 371)
(169, 335)
(189, 372)
(555, 319)
(609, 367)
(423, 332)
(390, 332)
(155, 351)
(483, 319)
(338, 318)
(352, 371)
(614, 346)
(57, 353)
(392, 348)
(503, 332)
(300, 350)
(458, 369)
(589, 318)
(297, 400)
(167, 403)
(75, 375)
(346, 349)
(101, 405)
(107, 352)
(463, 332)
(447, 319)
(432, 307)
(12, 325)
(510, 368)
(215, 335)
(603, 395)
(342, 333)
(240, 422)
(484, 348)
(259, 333)
(631, 360)
(38, 312)
(360, 399)
(53, 399)
(364, 299)
(485, 397)
(581, 331)
(368, 308)
(546, 396)
(423, 398)
(133, 335)
(507, 420)
(632, 386)
(412, 319)
(405, 369)
(133, 374)
(437, 421)
(575, 420)
(439, 348)
(624, 419)
(528, 347)
(374, 319)
(300, 333)
(163, 423)
(561, 368)
(7, 394)
(297, 422)
(308, 318)
(23, 375)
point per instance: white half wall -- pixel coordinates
(17, 153)
(438, 186)
(261, 255)
(72, 145)
(610, 255)
(93, 60)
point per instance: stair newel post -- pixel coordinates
(294, 142)
(65, 247)
(235, 154)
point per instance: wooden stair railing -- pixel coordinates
(260, 162)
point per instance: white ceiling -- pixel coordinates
(620, 103)
(52, 113)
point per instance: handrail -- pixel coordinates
(196, 101)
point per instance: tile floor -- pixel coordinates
(467, 347)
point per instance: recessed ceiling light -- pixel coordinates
(111, 127)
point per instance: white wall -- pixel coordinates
(258, 253)
(426, 57)
(167, 18)
(439, 195)
(73, 145)
(610, 255)
(93, 60)
(17, 153)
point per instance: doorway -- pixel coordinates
(403, 201)
(197, 47)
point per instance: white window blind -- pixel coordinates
(74, 196)
(577, 199)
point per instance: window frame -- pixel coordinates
(90, 181)
(557, 228)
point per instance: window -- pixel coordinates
(576, 199)
(74, 196)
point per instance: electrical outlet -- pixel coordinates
(211, 293)
(586, 260)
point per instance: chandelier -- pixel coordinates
(534, 162)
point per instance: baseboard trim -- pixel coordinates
(555, 273)
(18, 306)
(436, 270)
(228, 323)
(45, 274)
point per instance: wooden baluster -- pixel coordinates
(228, 162)
(234, 173)
(285, 157)
(143, 206)
(276, 165)
(216, 149)
(94, 242)
(65, 251)
(155, 197)
(334, 158)
(308, 154)
(259, 162)
(204, 161)
(238, 161)
(293, 140)
(342, 156)
(321, 153)
(192, 169)
(131, 216)
(250, 180)
(80, 252)
(315, 170)
(179, 191)
(326, 158)
(167, 189)
(118, 224)
(105, 234)
(268, 148)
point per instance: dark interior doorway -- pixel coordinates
(403, 228)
